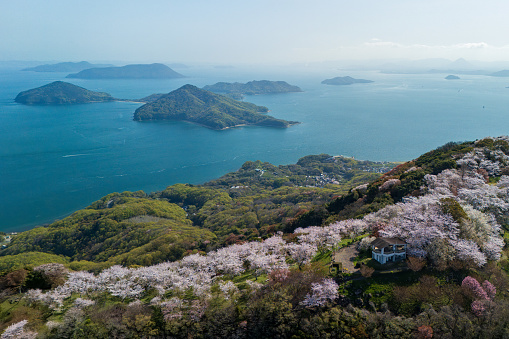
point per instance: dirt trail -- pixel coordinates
(347, 255)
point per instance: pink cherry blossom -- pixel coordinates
(321, 293)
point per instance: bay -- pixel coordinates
(55, 160)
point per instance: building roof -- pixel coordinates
(384, 242)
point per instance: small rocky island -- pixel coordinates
(61, 93)
(64, 67)
(252, 88)
(142, 71)
(192, 104)
(341, 81)
(452, 77)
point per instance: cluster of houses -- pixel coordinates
(5, 240)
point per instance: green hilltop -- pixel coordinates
(121, 228)
(189, 103)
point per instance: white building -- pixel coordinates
(386, 250)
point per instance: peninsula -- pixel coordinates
(61, 93)
(141, 71)
(252, 87)
(151, 97)
(504, 73)
(64, 67)
(190, 103)
(340, 81)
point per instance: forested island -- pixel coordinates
(252, 88)
(250, 255)
(64, 67)
(141, 71)
(192, 104)
(452, 77)
(61, 93)
(340, 81)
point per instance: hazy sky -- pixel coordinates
(252, 31)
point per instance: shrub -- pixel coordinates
(452, 207)
(415, 263)
(366, 271)
(424, 332)
(389, 184)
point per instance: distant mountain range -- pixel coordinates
(441, 66)
(457, 71)
(141, 71)
(64, 67)
(60, 93)
(190, 103)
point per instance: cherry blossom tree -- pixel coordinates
(490, 290)
(17, 331)
(172, 309)
(321, 293)
(365, 243)
(228, 288)
(471, 285)
(301, 253)
(81, 303)
(483, 294)
(468, 250)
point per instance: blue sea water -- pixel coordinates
(55, 160)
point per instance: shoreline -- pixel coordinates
(218, 129)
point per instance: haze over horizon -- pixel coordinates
(259, 32)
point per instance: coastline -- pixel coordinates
(217, 129)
